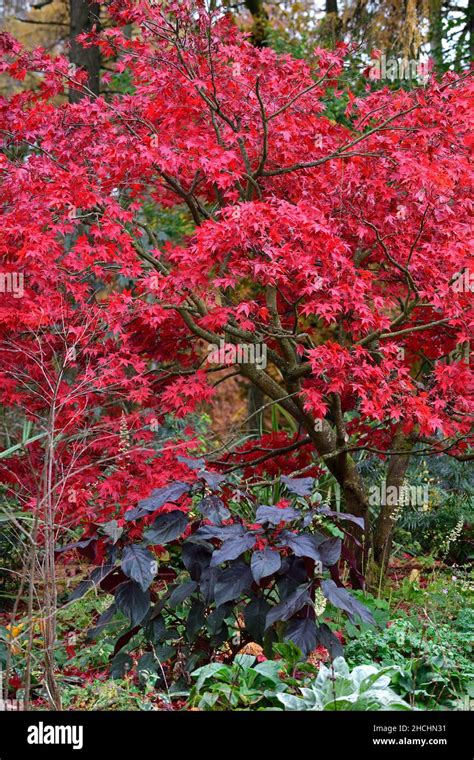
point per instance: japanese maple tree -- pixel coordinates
(343, 249)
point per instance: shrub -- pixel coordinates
(433, 661)
(366, 687)
(244, 684)
(223, 578)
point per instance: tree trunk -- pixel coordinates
(50, 600)
(333, 23)
(260, 21)
(436, 32)
(383, 531)
(255, 397)
(470, 23)
(255, 402)
(329, 445)
(84, 16)
(356, 503)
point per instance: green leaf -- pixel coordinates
(209, 671)
(17, 446)
(113, 529)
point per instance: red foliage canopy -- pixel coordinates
(336, 247)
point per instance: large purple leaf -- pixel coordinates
(298, 486)
(231, 582)
(233, 548)
(167, 527)
(303, 633)
(275, 515)
(139, 564)
(132, 601)
(341, 598)
(160, 496)
(289, 606)
(330, 551)
(264, 562)
(342, 516)
(302, 544)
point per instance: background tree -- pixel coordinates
(84, 16)
(56, 24)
